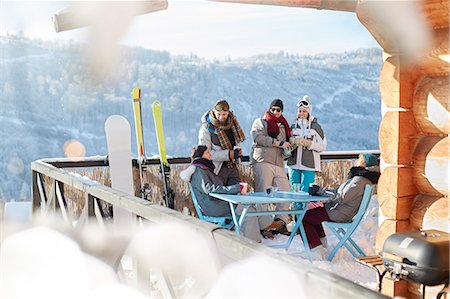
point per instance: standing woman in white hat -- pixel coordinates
(310, 140)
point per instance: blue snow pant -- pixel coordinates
(302, 177)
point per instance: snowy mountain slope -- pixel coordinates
(47, 98)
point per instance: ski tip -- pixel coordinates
(136, 93)
(156, 103)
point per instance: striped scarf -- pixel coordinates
(231, 123)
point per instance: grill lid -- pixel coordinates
(419, 256)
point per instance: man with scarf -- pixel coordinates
(270, 135)
(221, 133)
(200, 174)
(345, 204)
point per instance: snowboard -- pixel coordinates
(118, 139)
(169, 196)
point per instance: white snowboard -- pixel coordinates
(118, 139)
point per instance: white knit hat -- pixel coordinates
(305, 103)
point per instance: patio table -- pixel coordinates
(260, 198)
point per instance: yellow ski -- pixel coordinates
(136, 95)
(169, 195)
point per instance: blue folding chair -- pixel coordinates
(225, 222)
(344, 231)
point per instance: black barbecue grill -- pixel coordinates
(421, 257)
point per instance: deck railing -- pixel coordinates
(53, 186)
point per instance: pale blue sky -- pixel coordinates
(210, 29)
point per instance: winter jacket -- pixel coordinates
(303, 158)
(203, 182)
(349, 195)
(263, 148)
(207, 136)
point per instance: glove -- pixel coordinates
(295, 140)
(306, 142)
(285, 145)
(300, 141)
(235, 154)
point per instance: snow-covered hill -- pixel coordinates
(47, 98)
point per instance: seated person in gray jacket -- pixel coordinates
(345, 204)
(204, 181)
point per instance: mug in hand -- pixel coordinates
(244, 187)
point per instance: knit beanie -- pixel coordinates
(197, 151)
(278, 103)
(370, 159)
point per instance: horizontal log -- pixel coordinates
(397, 137)
(389, 227)
(430, 212)
(433, 60)
(398, 208)
(396, 84)
(431, 105)
(436, 12)
(437, 166)
(397, 181)
(401, 29)
(431, 165)
(339, 5)
(396, 192)
(80, 15)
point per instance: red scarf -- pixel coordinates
(273, 130)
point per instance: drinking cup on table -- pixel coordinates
(272, 191)
(313, 189)
(244, 187)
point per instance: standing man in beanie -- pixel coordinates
(270, 135)
(221, 133)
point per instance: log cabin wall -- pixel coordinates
(414, 85)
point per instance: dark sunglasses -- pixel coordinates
(303, 104)
(223, 106)
(274, 109)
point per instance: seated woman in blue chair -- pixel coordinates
(345, 204)
(204, 181)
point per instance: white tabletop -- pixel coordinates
(263, 198)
